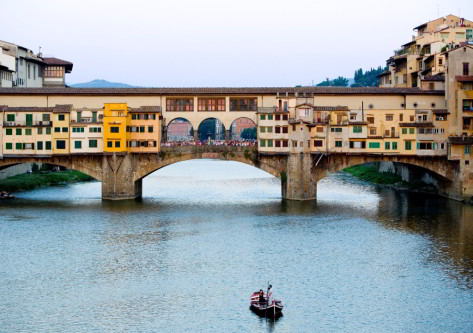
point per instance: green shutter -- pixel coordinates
(18, 131)
(10, 117)
(387, 146)
(9, 131)
(18, 146)
(262, 143)
(9, 146)
(394, 145)
(48, 145)
(418, 145)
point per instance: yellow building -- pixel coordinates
(60, 132)
(114, 125)
(144, 129)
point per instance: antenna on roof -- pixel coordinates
(39, 53)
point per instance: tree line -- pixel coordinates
(362, 79)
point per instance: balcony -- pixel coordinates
(43, 123)
(14, 124)
(268, 109)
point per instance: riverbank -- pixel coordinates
(26, 182)
(371, 174)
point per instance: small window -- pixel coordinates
(77, 144)
(262, 129)
(114, 129)
(284, 117)
(357, 129)
(109, 144)
(61, 117)
(270, 117)
(389, 117)
(39, 145)
(48, 130)
(9, 131)
(65, 129)
(270, 143)
(48, 145)
(387, 145)
(401, 117)
(408, 145)
(92, 143)
(117, 144)
(318, 143)
(370, 120)
(60, 144)
(338, 144)
(412, 130)
(373, 145)
(57, 129)
(278, 117)
(18, 131)
(10, 117)
(19, 146)
(8, 146)
(404, 131)
(262, 117)
(27, 131)
(39, 130)
(150, 129)
(285, 143)
(262, 143)
(394, 145)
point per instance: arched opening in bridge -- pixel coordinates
(243, 129)
(210, 181)
(179, 129)
(211, 129)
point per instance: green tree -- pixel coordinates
(248, 134)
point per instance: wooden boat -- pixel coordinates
(263, 309)
(6, 195)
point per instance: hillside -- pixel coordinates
(101, 84)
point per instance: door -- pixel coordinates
(393, 132)
(29, 120)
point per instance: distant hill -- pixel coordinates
(361, 79)
(101, 84)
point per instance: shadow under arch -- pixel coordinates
(179, 129)
(211, 128)
(239, 126)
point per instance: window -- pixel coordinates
(318, 143)
(57, 129)
(304, 112)
(117, 144)
(285, 117)
(294, 143)
(465, 69)
(48, 130)
(78, 130)
(278, 143)
(370, 120)
(285, 143)
(408, 145)
(8, 146)
(19, 146)
(92, 143)
(411, 130)
(39, 131)
(142, 129)
(65, 129)
(285, 129)
(467, 150)
(48, 145)
(29, 71)
(262, 129)
(39, 145)
(389, 117)
(270, 143)
(336, 129)
(114, 129)
(394, 145)
(10, 117)
(211, 104)
(263, 117)
(95, 130)
(269, 129)
(61, 117)
(401, 117)
(18, 131)
(440, 61)
(270, 117)
(373, 145)
(387, 146)
(54, 71)
(109, 144)
(46, 117)
(262, 143)
(278, 117)
(277, 129)
(150, 129)
(358, 144)
(243, 104)
(372, 131)
(320, 129)
(424, 145)
(60, 144)
(179, 104)
(77, 144)
(357, 129)
(338, 144)
(134, 116)
(8, 131)
(27, 131)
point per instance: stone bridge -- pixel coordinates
(122, 174)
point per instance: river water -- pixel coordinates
(208, 233)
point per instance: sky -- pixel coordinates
(211, 43)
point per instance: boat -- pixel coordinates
(263, 309)
(6, 195)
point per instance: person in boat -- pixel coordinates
(261, 296)
(269, 294)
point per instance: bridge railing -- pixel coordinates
(207, 149)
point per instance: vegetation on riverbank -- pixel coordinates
(371, 174)
(26, 182)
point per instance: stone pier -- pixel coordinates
(297, 182)
(118, 181)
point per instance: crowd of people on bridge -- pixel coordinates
(237, 143)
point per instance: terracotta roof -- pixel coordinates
(464, 78)
(457, 48)
(29, 109)
(440, 111)
(220, 90)
(146, 109)
(305, 104)
(438, 77)
(62, 108)
(461, 140)
(59, 62)
(331, 108)
(426, 124)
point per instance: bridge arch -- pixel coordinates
(239, 125)
(89, 165)
(245, 155)
(211, 127)
(180, 129)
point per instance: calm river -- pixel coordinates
(208, 233)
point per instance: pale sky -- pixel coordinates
(218, 43)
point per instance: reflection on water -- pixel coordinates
(207, 234)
